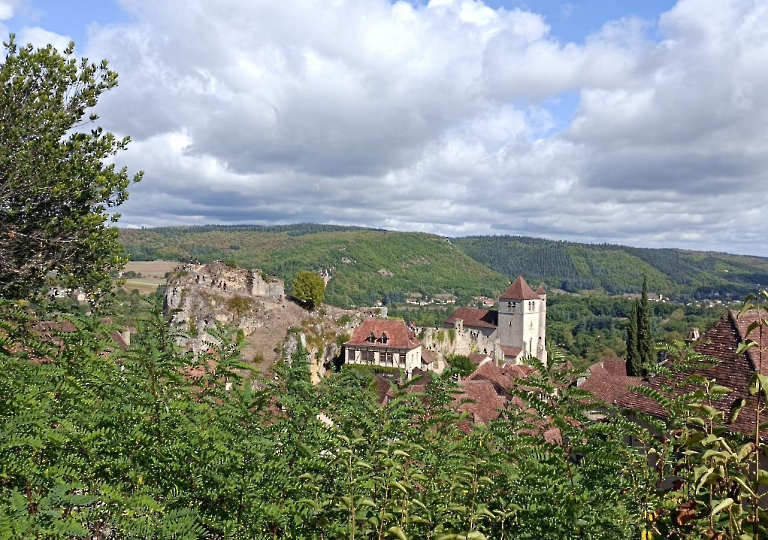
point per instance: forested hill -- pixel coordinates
(365, 264)
(429, 264)
(618, 269)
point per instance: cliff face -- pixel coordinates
(199, 296)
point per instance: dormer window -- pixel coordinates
(372, 338)
(384, 338)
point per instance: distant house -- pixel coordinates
(385, 343)
(519, 325)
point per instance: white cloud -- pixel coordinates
(41, 38)
(6, 10)
(434, 117)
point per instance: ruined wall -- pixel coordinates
(444, 342)
(271, 288)
(197, 297)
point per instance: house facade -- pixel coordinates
(385, 343)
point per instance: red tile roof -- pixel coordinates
(479, 399)
(734, 372)
(491, 372)
(478, 358)
(519, 290)
(516, 371)
(475, 318)
(608, 380)
(511, 352)
(383, 389)
(426, 357)
(397, 335)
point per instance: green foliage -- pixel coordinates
(240, 305)
(634, 362)
(461, 364)
(309, 288)
(155, 443)
(471, 266)
(419, 262)
(645, 343)
(56, 193)
(684, 275)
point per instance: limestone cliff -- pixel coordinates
(200, 296)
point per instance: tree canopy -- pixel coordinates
(56, 192)
(309, 288)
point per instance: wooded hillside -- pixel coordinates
(475, 265)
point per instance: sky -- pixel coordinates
(636, 122)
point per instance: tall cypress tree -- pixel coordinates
(634, 365)
(644, 339)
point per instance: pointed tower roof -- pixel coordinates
(519, 290)
(541, 290)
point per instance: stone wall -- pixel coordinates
(444, 342)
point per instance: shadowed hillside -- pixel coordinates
(618, 269)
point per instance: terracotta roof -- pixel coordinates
(383, 389)
(519, 290)
(479, 399)
(608, 380)
(512, 352)
(397, 334)
(476, 318)
(541, 290)
(426, 358)
(478, 358)
(491, 372)
(418, 373)
(734, 372)
(516, 371)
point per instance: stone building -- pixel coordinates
(518, 327)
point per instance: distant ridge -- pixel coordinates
(294, 229)
(367, 265)
(618, 269)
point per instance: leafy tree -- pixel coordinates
(309, 288)
(55, 190)
(461, 364)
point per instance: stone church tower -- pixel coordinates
(523, 319)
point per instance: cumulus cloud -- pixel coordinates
(437, 117)
(40, 37)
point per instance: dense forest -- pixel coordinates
(466, 266)
(681, 274)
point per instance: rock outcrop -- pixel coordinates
(198, 297)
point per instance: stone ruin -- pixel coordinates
(198, 296)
